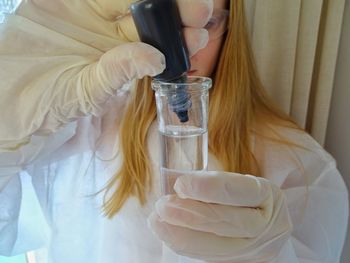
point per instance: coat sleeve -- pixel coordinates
(45, 66)
(40, 101)
(14, 190)
(320, 224)
(317, 199)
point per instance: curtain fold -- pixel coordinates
(295, 44)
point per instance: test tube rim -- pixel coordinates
(204, 83)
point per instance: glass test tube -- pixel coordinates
(184, 144)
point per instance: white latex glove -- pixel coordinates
(65, 59)
(223, 217)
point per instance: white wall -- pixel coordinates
(338, 133)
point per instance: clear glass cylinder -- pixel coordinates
(182, 112)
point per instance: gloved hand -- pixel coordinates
(223, 217)
(69, 57)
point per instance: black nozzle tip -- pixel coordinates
(182, 115)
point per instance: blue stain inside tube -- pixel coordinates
(158, 23)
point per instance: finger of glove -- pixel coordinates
(225, 188)
(196, 39)
(198, 244)
(222, 220)
(195, 13)
(279, 222)
(129, 61)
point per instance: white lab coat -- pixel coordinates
(49, 181)
(67, 219)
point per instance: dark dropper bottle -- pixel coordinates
(158, 23)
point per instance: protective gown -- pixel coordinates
(53, 166)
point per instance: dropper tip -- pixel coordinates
(182, 115)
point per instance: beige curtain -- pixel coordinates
(296, 44)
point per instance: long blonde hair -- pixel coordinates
(238, 91)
